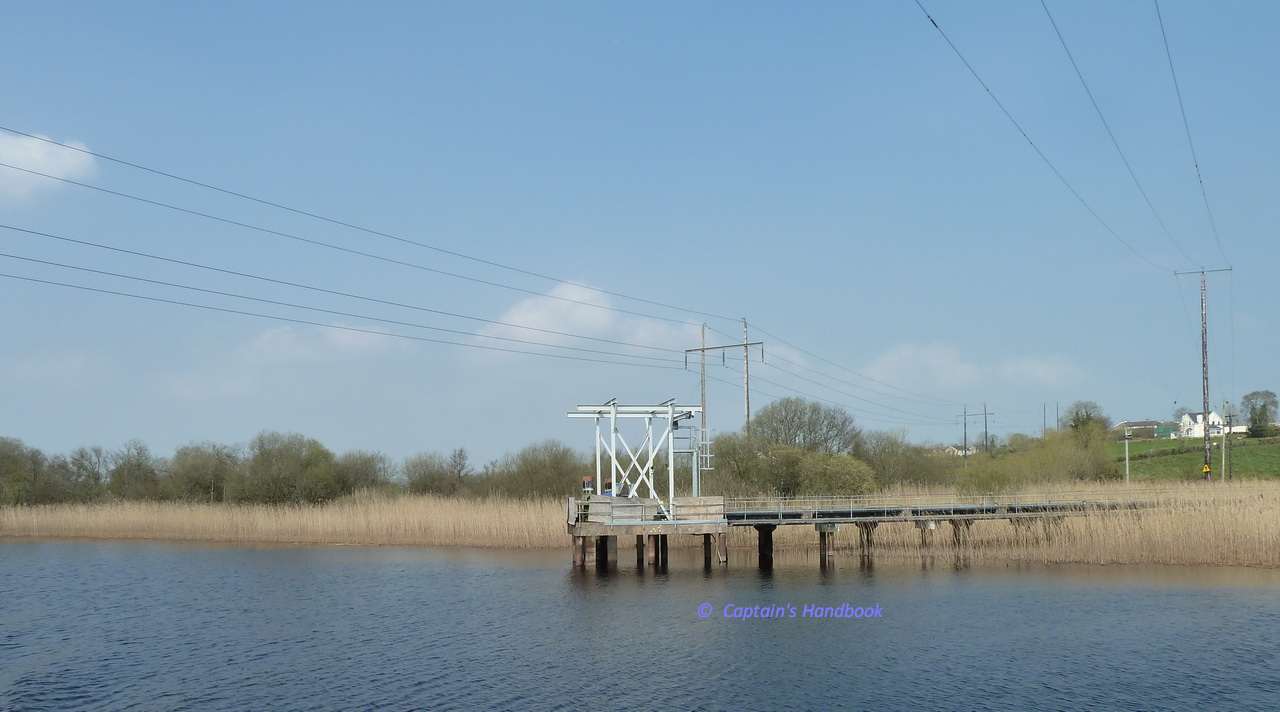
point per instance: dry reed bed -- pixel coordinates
(426, 520)
(1196, 524)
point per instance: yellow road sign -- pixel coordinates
(1206, 469)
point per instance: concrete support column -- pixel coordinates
(579, 551)
(764, 544)
(651, 551)
(662, 551)
(706, 551)
(826, 540)
(640, 551)
(611, 550)
(722, 545)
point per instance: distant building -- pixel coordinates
(1192, 426)
(959, 451)
(1139, 428)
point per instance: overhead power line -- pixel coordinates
(1186, 126)
(1027, 137)
(1114, 141)
(852, 371)
(335, 292)
(877, 404)
(371, 231)
(340, 248)
(357, 227)
(338, 327)
(322, 310)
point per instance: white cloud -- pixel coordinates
(944, 367)
(572, 318)
(39, 156)
(1039, 371)
(47, 368)
(291, 344)
(254, 364)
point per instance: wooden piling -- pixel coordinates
(706, 551)
(662, 551)
(579, 551)
(866, 536)
(640, 551)
(722, 546)
(651, 551)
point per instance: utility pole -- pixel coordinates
(964, 417)
(986, 438)
(1223, 472)
(702, 379)
(1128, 435)
(746, 378)
(1057, 419)
(1044, 417)
(1207, 469)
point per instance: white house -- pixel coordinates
(959, 451)
(1192, 425)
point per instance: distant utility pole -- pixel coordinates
(1044, 418)
(964, 418)
(1128, 435)
(986, 438)
(702, 377)
(1207, 469)
(746, 376)
(1226, 440)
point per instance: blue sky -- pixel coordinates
(830, 172)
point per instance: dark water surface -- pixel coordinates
(106, 625)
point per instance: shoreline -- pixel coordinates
(1219, 525)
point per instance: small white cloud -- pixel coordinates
(1039, 371)
(925, 367)
(254, 364)
(39, 156)
(47, 368)
(287, 344)
(945, 368)
(568, 317)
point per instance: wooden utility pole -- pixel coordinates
(964, 417)
(746, 375)
(986, 437)
(1207, 468)
(746, 379)
(702, 384)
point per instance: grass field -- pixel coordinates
(1182, 459)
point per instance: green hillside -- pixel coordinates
(1177, 460)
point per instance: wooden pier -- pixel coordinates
(602, 519)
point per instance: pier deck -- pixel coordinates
(605, 518)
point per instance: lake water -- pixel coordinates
(94, 625)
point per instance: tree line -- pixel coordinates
(792, 447)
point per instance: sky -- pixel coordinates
(830, 172)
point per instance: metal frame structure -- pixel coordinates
(630, 469)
